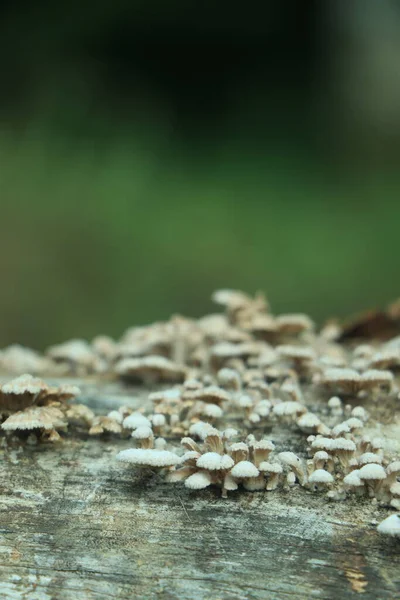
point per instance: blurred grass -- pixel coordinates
(109, 226)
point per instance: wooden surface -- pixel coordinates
(75, 524)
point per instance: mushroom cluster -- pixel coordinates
(220, 386)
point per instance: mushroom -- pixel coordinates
(291, 460)
(44, 419)
(344, 449)
(199, 480)
(146, 457)
(273, 471)
(321, 479)
(372, 475)
(390, 526)
(104, 424)
(150, 369)
(261, 451)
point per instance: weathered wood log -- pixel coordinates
(77, 524)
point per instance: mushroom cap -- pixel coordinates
(369, 457)
(263, 445)
(288, 408)
(201, 429)
(267, 467)
(322, 443)
(239, 446)
(390, 526)
(372, 471)
(296, 352)
(229, 433)
(244, 469)
(290, 459)
(213, 411)
(142, 433)
(393, 467)
(229, 483)
(42, 417)
(136, 420)
(334, 402)
(76, 350)
(198, 481)
(149, 457)
(353, 479)
(210, 461)
(354, 423)
(24, 384)
(321, 476)
(343, 444)
(308, 421)
(158, 420)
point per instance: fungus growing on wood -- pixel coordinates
(45, 419)
(372, 475)
(104, 424)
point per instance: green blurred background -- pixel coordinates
(151, 152)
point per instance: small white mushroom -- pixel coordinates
(135, 420)
(390, 526)
(244, 469)
(373, 475)
(210, 461)
(273, 471)
(149, 457)
(321, 478)
(198, 481)
(294, 462)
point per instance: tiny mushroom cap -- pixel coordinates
(142, 433)
(354, 423)
(149, 457)
(353, 479)
(390, 526)
(135, 420)
(245, 401)
(321, 476)
(288, 408)
(158, 420)
(393, 468)
(198, 481)
(372, 471)
(229, 483)
(290, 459)
(321, 455)
(210, 461)
(116, 416)
(267, 467)
(227, 462)
(370, 457)
(334, 402)
(201, 429)
(230, 433)
(359, 412)
(308, 422)
(301, 353)
(24, 384)
(42, 417)
(322, 443)
(213, 411)
(244, 469)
